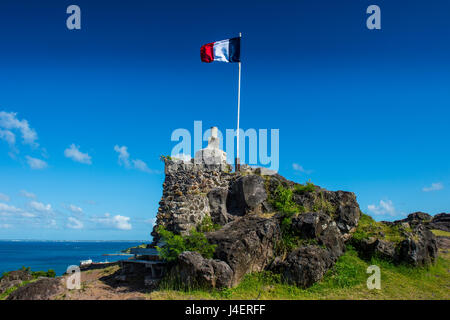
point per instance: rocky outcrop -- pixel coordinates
(261, 212)
(305, 266)
(406, 241)
(13, 279)
(420, 249)
(441, 221)
(192, 270)
(43, 289)
(246, 244)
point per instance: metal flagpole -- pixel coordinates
(237, 164)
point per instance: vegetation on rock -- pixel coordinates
(176, 244)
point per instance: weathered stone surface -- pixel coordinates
(195, 271)
(420, 249)
(13, 278)
(417, 245)
(441, 221)
(376, 247)
(305, 266)
(416, 218)
(320, 227)
(247, 195)
(218, 206)
(246, 245)
(42, 289)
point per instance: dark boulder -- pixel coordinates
(247, 244)
(218, 206)
(374, 247)
(304, 266)
(193, 271)
(321, 227)
(248, 193)
(416, 218)
(441, 221)
(43, 289)
(420, 249)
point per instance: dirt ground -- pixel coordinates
(101, 284)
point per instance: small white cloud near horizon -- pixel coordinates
(74, 153)
(40, 207)
(4, 197)
(124, 160)
(74, 223)
(299, 168)
(117, 221)
(27, 194)
(384, 208)
(435, 186)
(36, 164)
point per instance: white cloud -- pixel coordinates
(8, 136)
(300, 168)
(41, 207)
(117, 221)
(4, 197)
(74, 153)
(434, 187)
(10, 122)
(35, 163)
(74, 223)
(5, 226)
(124, 160)
(74, 208)
(28, 215)
(124, 156)
(141, 165)
(6, 209)
(27, 194)
(384, 208)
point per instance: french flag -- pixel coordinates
(225, 51)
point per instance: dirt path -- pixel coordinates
(101, 284)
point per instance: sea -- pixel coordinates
(58, 255)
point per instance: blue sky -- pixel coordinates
(359, 110)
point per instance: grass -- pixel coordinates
(368, 227)
(440, 233)
(347, 280)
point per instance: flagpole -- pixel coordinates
(237, 164)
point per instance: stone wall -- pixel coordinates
(184, 202)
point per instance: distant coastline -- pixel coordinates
(41, 255)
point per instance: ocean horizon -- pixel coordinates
(41, 255)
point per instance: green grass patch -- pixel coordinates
(368, 227)
(440, 233)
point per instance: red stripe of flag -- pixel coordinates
(207, 52)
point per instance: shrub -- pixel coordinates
(207, 225)
(281, 200)
(176, 244)
(48, 274)
(308, 187)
